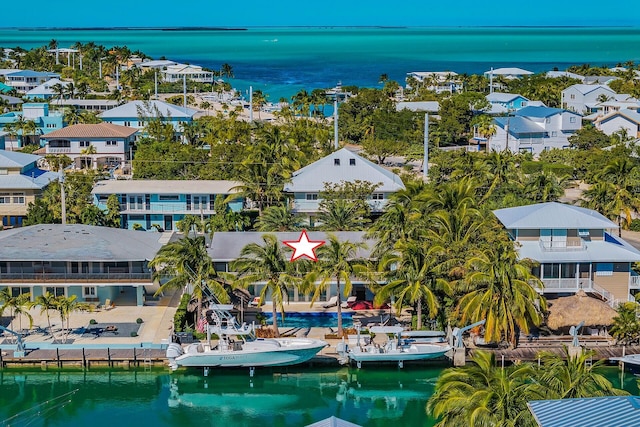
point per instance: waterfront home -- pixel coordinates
(157, 64)
(599, 80)
(307, 183)
(25, 80)
(10, 101)
(149, 204)
(46, 121)
(575, 248)
(45, 90)
(103, 145)
(583, 98)
(508, 73)
(95, 264)
(226, 247)
(175, 73)
(532, 129)
(567, 74)
(502, 103)
(21, 181)
(91, 105)
(626, 120)
(437, 81)
(587, 411)
(137, 114)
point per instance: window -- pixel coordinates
(572, 119)
(15, 292)
(583, 232)
(18, 198)
(604, 269)
(168, 197)
(88, 291)
(377, 196)
(5, 198)
(336, 162)
(352, 162)
(127, 123)
(85, 143)
(524, 104)
(554, 133)
(548, 120)
(136, 202)
(312, 196)
(57, 291)
(199, 203)
(112, 143)
(572, 96)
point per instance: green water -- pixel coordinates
(283, 398)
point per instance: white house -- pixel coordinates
(45, 91)
(623, 119)
(92, 145)
(502, 103)
(559, 74)
(508, 73)
(343, 165)
(158, 64)
(583, 98)
(25, 80)
(534, 129)
(175, 73)
(136, 114)
(438, 81)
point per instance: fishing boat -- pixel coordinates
(395, 349)
(238, 346)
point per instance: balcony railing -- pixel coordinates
(75, 277)
(571, 244)
(313, 205)
(566, 285)
(58, 150)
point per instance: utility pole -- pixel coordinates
(491, 81)
(335, 123)
(506, 129)
(250, 104)
(184, 90)
(425, 165)
(155, 77)
(63, 197)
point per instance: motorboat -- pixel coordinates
(362, 348)
(631, 362)
(237, 346)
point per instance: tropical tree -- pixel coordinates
(544, 187)
(498, 288)
(19, 305)
(337, 263)
(483, 394)
(224, 218)
(267, 263)
(46, 302)
(624, 174)
(279, 218)
(188, 224)
(88, 153)
(626, 326)
(342, 215)
(66, 306)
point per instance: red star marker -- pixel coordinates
(304, 247)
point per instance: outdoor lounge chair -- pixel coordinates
(108, 305)
(333, 301)
(349, 302)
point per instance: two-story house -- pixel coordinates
(576, 250)
(624, 119)
(92, 145)
(341, 166)
(437, 81)
(160, 204)
(45, 90)
(46, 121)
(92, 263)
(502, 103)
(25, 80)
(583, 98)
(176, 72)
(20, 183)
(534, 129)
(136, 114)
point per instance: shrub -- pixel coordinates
(92, 322)
(139, 321)
(558, 170)
(635, 225)
(180, 318)
(134, 334)
(530, 167)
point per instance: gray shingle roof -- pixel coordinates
(587, 412)
(226, 246)
(156, 186)
(333, 422)
(312, 177)
(552, 215)
(74, 242)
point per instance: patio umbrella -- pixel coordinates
(569, 311)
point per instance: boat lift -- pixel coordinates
(457, 333)
(20, 350)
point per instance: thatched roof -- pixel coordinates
(568, 311)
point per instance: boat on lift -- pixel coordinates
(238, 346)
(394, 349)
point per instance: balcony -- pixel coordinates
(571, 244)
(55, 150)
(566, 285)
(313, 205)
(74, 277)
(166, 208)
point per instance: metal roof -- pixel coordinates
(12, 100)
(333, 422)
(76, 242)
(631, 115)
(157, 186)
(31, 73)
(148, 108)
(555, 74)
(46, 87)
(503, 97)
(596, 251)
(38, 181)
(588, 88)
(14, 159)
(508, 71)
(226, 246)
(540, 112)
(519, 125)
(427, 106)
(587, 412)
(552, 215)
(338, 167)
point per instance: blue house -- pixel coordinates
(506, 102)
(137, 114)
(46, 121)
(160, 204)
(25, 80)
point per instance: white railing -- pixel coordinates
(54, 150)
(563, 245)
(573, 284)
(634, 281)
(606, 295)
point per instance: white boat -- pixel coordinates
(631, 361)
(238, 346)
(423, 337)
(395, 349)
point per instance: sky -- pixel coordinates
(249, 13)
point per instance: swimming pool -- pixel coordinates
(311, 320)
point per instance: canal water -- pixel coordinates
(283, 398)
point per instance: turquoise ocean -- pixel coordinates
(281, 61)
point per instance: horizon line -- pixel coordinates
(240, 28)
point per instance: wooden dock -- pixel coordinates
(85, 358)
(531, 353)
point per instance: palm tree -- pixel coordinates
(278, 218)
(544, 187)
(59, 91)
(626, 326)
(46, 302)
(342, 215)
(622, 173)
(19, 305)
(574, 376)
(482, 394)
(498, 288)
(336, 262)
(66, 306)
(267, 263)
(70, 90)
(188, 224)
(88, 153)
(226, 70)
(29, 129)
(412, 278)
(599, 198)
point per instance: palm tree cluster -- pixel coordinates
(484, 394)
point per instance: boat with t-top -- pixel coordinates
(362, 348)
(238, 346)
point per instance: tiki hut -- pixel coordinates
(568, 311)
